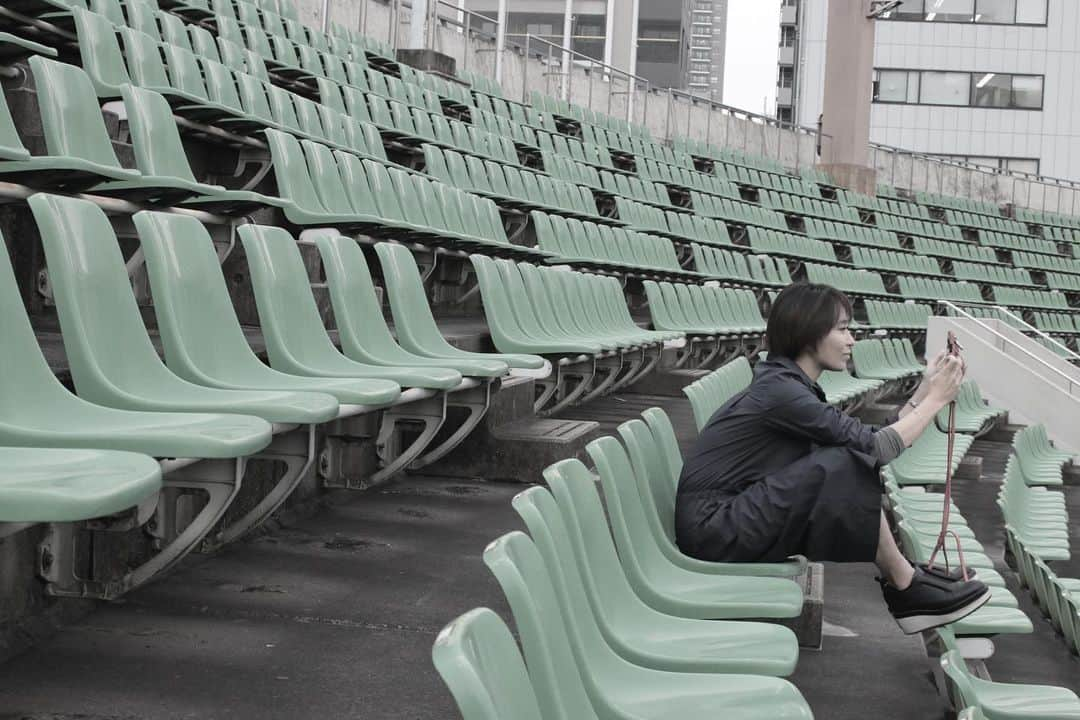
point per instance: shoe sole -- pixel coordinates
(918, 623)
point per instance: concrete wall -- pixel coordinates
(668, 116)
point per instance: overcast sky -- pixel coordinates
(750, 59)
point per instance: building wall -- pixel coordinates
(1049, 135)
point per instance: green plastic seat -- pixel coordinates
(61, 485)
(413, 321)
(202, 337)
(656, 488)
(37, 411)
(296, 340)
(1007, 701)
(571, 672)
(479, 661)
(507, 334)
(159, 155)
(362, 330)
(668, 586)
(112, 359)
(606, 603)
(80, 152)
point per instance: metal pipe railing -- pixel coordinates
(1070, 383)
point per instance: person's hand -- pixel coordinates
(944, 385)
(934, 366)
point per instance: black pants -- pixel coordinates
(826, 506)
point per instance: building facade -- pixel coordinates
(708, 35)
(679, 43)
(992, 82)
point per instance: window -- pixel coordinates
(992, 90)
(658, 51)
(787, 36)
(1031, 12)
(945, 88)
(787, 74)
(981, 90)
(783, 114)
(892, 86)
(699, 54)
(992, 12)
(950, 10)
(1027, 91)
(908, 10)
(995, 11)
(1022, 165)
(538, 29)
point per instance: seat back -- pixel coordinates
(11, 146)
(202, 337)
(361, 327)
(71, 119)
(479, 661)
(664, 434)
(100, 52)
(960, 688)
(655, 485)
(154, 137)
(107, 345)
(289, 317)
(27, 384)
(545, 638)
(291, 172)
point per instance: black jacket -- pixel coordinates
(779, 419)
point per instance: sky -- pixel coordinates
(750, 59)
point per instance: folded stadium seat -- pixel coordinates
(924, 462)
(664, 586)
(1037, 517)
(871, 361)
(579, 675)
(657, 463)
(607, 605)
(65, 486)
(973, 415)
(479, 661)
(841, 388)
(525, 316)
(1040, 462)
(80, 154)
(1005, 701)
(732, 267)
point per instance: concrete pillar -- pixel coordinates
(622, 37)
(849, 64)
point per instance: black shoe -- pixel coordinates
(932, 601)
(938, 571)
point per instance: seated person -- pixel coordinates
(778, 472)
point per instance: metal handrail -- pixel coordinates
(1072, 384)
(589, 64)
(739, 112)
(1036, 330)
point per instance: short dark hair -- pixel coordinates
(801, 315)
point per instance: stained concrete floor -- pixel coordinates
(333, 616)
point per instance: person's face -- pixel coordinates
(834, 350)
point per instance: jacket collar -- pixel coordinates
(787, 367)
